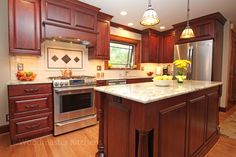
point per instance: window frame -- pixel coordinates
(124, 40)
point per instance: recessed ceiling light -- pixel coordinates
(162, 27)
(130, 24)
(123, 13)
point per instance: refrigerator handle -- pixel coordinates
(190, 58)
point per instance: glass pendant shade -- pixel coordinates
(187, 33)
(150, 17)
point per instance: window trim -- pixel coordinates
(136, 43)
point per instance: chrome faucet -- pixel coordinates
(126, 70)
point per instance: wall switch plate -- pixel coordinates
(20, 66)
(99, 67)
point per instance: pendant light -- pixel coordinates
(150, 17)
(187, 32)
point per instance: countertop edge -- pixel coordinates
(160, 98)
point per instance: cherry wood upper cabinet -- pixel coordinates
(150, 46)
(24, 27)
(70, 14)
(102, 50)
(204, 27)
(167, 47)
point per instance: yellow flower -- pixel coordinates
(182, 64)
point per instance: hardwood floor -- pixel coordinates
(83, 143)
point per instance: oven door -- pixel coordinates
(73, 102)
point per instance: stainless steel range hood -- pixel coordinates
(70, 40)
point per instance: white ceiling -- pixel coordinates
(169, 11)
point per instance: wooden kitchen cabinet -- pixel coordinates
(180, 126)
(24, 27)
(70, 14)
(197, 121)
(204, 28)
(139, 80)
(102, 49)
(167, 47)
(101, 83)
(150, 46)
(30, 110)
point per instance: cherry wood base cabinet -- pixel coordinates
(30, 110)
(24, 27)
(181, 126)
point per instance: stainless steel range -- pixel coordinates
(73, 103)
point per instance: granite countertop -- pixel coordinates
(149, 92)
(37, 81)
(123, 77)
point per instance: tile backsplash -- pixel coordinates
(43, 65)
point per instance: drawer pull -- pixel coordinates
(32, 126)
(31, 90)
(31, 106)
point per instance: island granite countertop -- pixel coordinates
(149, 92)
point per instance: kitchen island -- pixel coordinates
(143, 120)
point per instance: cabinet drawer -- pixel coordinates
(30, 105)
(31, 89)
(30, 126)
(35, 124)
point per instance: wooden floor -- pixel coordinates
(83, 143)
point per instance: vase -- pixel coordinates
(180, 78)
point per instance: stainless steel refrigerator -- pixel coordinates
(200, 54)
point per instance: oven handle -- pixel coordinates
(71, 90)
(60, 124)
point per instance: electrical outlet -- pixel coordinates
(7, 118)
(20, 66)
(99, 67)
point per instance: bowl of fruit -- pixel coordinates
(162, 81)
(150, 73)
(25, 75)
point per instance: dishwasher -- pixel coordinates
(116, 82)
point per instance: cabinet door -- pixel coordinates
(172, 133)
(24, 27)
(150, 47)
(212, 113)
(154, 49)
(197, 119)
(58, 13)
(204, 29)
(85, 20)
(103, 42)
(168, 49)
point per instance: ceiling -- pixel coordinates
(169, 11)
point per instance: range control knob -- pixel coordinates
(61, 84)
(56, 84)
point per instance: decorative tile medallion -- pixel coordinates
(54, 58)
(58, 58)
(76, 59)
(66, 59)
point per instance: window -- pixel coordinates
(124, 53)
(121, 55)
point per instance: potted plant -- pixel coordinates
(182, 67)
